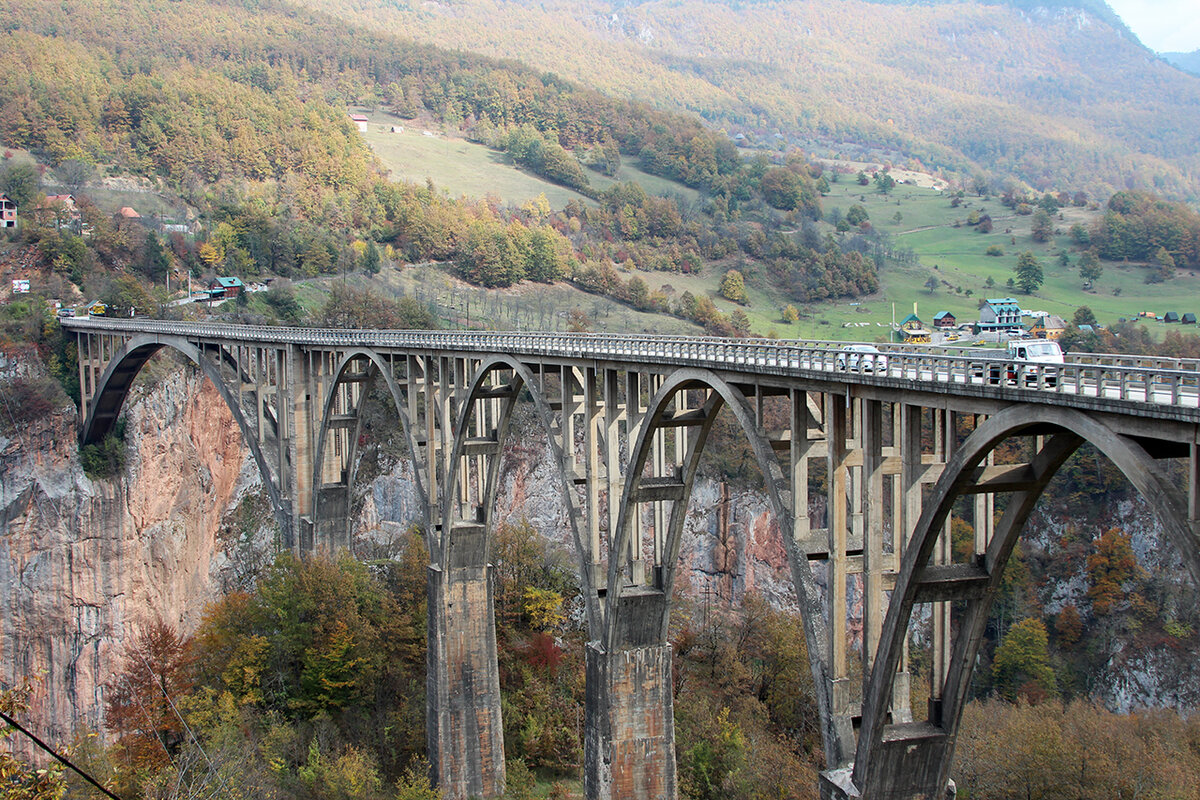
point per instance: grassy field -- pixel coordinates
(528, 306)
(956, 256)
(919, 218)
(465, 168)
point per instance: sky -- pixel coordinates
(1163, 25)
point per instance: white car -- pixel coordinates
(861, 358)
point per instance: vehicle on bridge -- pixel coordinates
(861, 358)
(1023, 362)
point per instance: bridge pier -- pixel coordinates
(629, 746)
(465, 735)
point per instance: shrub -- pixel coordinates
(27, 399)
(104, 459)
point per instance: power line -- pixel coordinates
(162, 685)
(58, 757)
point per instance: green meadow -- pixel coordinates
(462, 168)
(921, 219)
(955, 253)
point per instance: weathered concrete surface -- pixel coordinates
(836, 784)
(629, 746)
(464, 728)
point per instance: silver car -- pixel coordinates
(861, 358)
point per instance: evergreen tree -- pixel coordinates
(371, 259)
(153, 263)
(1029, 275)
(1089, 268)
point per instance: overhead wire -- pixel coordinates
(162, 685)
(57, 756)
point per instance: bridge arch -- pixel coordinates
(914, 759)
(638, 488)
(117, 379)
(482, 388)
(376, 366)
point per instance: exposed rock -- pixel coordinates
(84, 563)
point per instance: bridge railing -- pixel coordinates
(1173, 382)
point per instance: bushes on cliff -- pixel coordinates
(105, 459)
(18, 777)
(26, 399)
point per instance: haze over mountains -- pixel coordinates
(1058, 93)
(1188, 62)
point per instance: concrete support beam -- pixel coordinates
(464, 732)
(629, 745)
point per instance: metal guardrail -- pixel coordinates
(1148, 380)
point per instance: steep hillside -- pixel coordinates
(1056, 94)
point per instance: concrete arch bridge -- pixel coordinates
(628, 418)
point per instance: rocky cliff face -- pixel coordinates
(84, 563)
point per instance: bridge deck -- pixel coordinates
(1152, 388)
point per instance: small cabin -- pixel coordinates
(944, 319)
(1171, 316)
(913, 331)
(1188, 319)
(360, 121)
(58, 210)
(224, 288)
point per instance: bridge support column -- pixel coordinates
(464, 729)
(629, 749)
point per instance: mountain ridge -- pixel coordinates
(1054, 94)
(1188, 62)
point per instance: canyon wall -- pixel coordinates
(84, 563)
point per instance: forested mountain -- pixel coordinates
(1188, 62)
(240, 108)
(1059, 94)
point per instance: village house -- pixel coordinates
(998, 314)
(360, 121)
(60, 211)
(943, 320)
(1050, 326)
(127, 218)
(8, 212)
(913, 330)
(224, 288)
